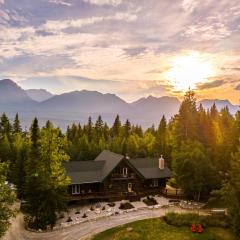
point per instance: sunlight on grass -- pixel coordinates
(157, 229)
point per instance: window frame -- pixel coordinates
(76, 189)
(125, 171)
(155, 182)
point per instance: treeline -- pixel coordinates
(87, 141)
(201, 147)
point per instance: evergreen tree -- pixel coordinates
(18, 169)
(161, 138)
(5, 148)
(7, 198)
(84, 148)
(16, 125)
(106, 132)
(5, 126)
(49, 196)
(32, 168)
(231, 192)
(89, 129)
(193, 170)
(116, 127)
(187, 125)
(99, 127)
(214, 111)
(131, 146)
(127, 128)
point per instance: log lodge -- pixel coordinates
(112, 176)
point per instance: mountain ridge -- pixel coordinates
(77, 106)
(39, 95)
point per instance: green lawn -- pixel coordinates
(157, 229)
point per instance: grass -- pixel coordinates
(157, 229)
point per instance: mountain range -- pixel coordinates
(77, 106)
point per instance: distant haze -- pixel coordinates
(77, 106)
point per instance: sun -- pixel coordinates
(188, 71)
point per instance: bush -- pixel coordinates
(126, 206)
(69, 219)
(190, 218)
(150, 201)
(111, 204)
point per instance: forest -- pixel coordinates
(202, 148)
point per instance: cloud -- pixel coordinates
(158, 70)
(1, 1)
(104, 2)
(117, 40)
(133, 52)
(189, 5)
(237, 87)
(231, 69)
(208, 85)
(59, 25)
(61, 2)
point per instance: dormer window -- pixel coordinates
(125, 172)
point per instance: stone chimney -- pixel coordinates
(161, 162)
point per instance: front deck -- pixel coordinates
(110, 196)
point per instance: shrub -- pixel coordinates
(77, 211)
(150, 201)
(187, 219)
(69, 219)
(126, 206)
(111, 204)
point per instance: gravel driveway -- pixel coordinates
(83, 230)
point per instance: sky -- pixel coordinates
(132, 48)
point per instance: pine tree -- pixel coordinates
(193, 170)
(84, 148)
(231, 192)
(20, 151)
(99, 128)
(89, 129)
(127, 128)
(47, 188)
(187, 119)
(7, 199)
(5, 149)
(32, 169)
(5, 126)
(16, 125)
(115, 131)
(161, 138)
(213, 111)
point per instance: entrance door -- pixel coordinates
(129, 187)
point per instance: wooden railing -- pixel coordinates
(122, 195)
(177, 193)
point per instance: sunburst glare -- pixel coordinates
(188, 71)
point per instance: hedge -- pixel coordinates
(187, 219)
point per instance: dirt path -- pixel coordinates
(83, 230)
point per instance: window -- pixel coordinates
(155, 183)
(125, 172)
(75, 189)
(129, 187)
